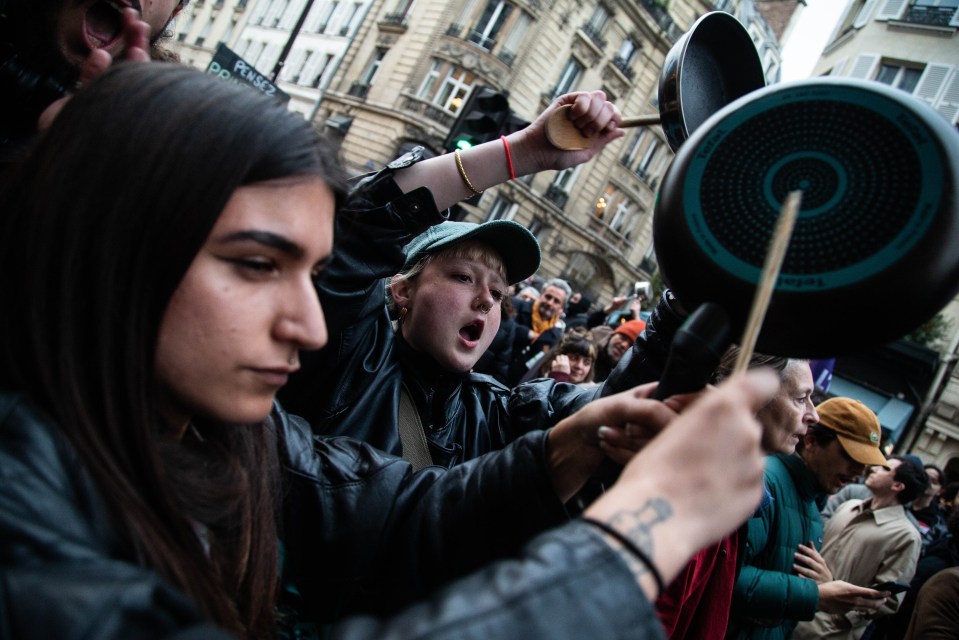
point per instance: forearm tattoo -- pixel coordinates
(633, 529)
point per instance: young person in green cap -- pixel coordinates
(443, 282)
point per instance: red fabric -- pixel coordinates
(696, 604)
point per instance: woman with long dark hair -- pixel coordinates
(159, 249)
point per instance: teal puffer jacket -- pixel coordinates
(769, 598)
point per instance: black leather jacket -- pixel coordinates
(352, 386)
(363, 535)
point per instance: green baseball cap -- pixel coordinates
(516, 246)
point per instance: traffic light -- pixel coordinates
(479, 119)
(512, 124)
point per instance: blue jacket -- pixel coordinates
(769, 598)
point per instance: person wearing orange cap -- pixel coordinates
(783, 579)
(610, 351)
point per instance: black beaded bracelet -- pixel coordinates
(633, 548)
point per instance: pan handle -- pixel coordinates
(640, 121)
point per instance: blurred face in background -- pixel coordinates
(551, 302)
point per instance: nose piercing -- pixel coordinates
(292, 359)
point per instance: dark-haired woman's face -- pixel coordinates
(579, 366)
(230, 335)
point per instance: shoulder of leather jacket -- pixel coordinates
(411, 157)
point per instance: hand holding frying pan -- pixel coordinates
(878, 170)
(714, 63)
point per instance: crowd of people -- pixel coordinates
(243, 395)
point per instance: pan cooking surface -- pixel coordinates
(870, 174)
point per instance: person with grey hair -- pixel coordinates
(539, 327)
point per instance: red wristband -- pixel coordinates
(509, 158)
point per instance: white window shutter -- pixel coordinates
(948, 104)
(931, 82)
(892, 10)
(864, 14)
(837, 68)
(864, 66)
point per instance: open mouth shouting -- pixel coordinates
(103, 24)
(471, 333)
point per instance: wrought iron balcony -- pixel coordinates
(662, 18)
(932, 16)
(481, 41)
(557, 196)
(394, 19)
(593, 34)
(623, 65)
(428, 110)
(507, 57)
(359, 90)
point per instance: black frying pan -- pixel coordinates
(875, 250)
(714, 63)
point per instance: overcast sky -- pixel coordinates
(808, 38)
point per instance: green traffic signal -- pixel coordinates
(463, 145)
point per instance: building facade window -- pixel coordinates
(402, 8)
(242, 47)
(294, 65)
(373, 66)
(204, 32)
(502, 209)
(352, 21)
(496, 26)
(564, 179)
(487, 28)
(558, 191)
(327, 16)
(569, 78)
(259, 11)
(617, 210)
(315, 68)
(291, 14)
(646, 162)
(452, 91)
(899, 76)
(627, 50)
(230, 28)
(268, 58)
(633, 149)
(538, 228)
(648, 263)
(253, 52)
(275, 14)
(939, 13)
(596, 25)
(185, 24)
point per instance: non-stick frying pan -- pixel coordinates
(875, 249)
(714, 63)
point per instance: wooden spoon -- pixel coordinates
(563, 134)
